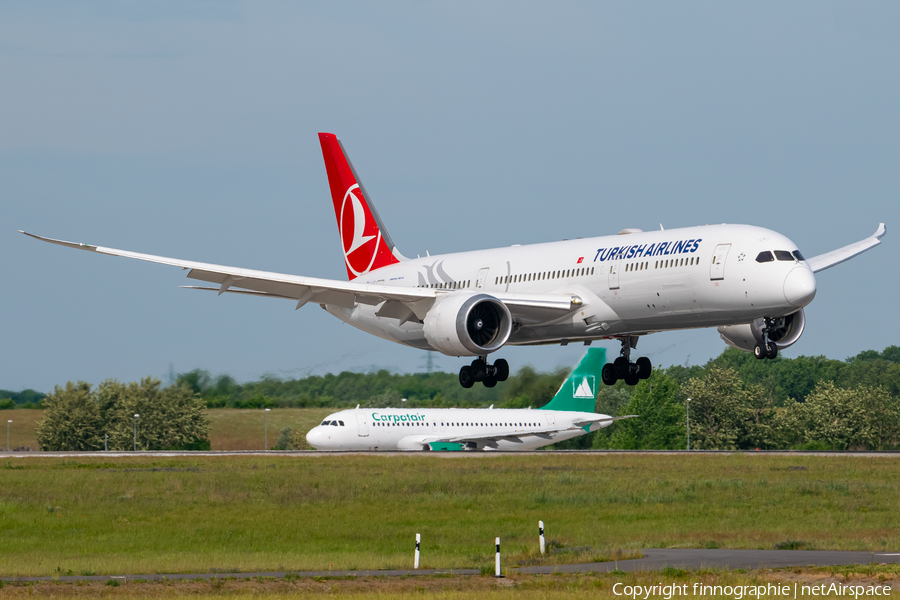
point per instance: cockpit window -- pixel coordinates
(334, 423)
(764, 257)
(326, 422)
(341, 422)
(784, 255)
(797, 255)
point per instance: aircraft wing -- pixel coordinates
(602, 419)
(836, 257)
(403, 303)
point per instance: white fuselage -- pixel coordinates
(629, 284)
(412, 429)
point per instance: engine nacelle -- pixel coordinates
(784, 332)
(467, 324)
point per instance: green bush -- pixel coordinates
(7, 404)
(78, 417)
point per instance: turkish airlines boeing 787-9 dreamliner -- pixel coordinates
(750, 282)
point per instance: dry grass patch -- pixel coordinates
(244, 429)
(594, 586)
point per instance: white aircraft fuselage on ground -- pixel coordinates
(444, 428)
(750, 282)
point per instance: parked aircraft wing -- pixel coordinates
(527, 308)
(836, 257)
(508, 435)
(602, 419)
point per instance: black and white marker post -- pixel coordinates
(541, 534)
(497, 560)
(418, 541)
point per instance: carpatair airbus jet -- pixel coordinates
(750, 282)
(569, 414)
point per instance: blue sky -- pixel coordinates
(189, 130)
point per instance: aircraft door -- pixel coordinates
(482, 277)
(614, 275)
(717, 268)
(551, 419)
(363, 421)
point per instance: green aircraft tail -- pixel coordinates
(579, 391)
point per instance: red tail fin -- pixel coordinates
(364, 239)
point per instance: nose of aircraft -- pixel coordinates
(800, 286)
(315, 437)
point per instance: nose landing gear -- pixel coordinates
(623, 368)
(766, 348)
(486, 373)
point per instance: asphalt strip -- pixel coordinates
(654, 559)
(320, 453)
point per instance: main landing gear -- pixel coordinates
(623, 368)
(481, 371)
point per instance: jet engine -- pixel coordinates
(784, 331)
(467, 324)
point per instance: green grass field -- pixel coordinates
(146, 515)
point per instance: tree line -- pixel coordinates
(24, 399)
(721, 411)
(736, 402)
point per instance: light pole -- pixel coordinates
(136, 416)
(267, 429)
(689, 423)
(7, 434)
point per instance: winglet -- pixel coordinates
(60, 242)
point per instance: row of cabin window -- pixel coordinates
(450, 285)
(663, 264)
(451, 424)
(784, 255)
(543, 276)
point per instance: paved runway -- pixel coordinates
(654, 560)
(318, 453)
(692, 559)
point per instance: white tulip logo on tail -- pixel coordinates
(585, 389)
(359, 251)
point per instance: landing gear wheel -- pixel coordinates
(771, 350)
(759, 352)
(621, 366)
(632, 380)
(479, 369)
(502, 367)
(645, 368)
(608, 374)
(466, 377)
